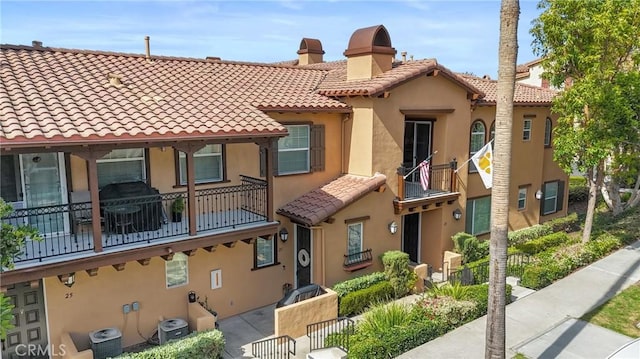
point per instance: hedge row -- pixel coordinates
(207, 344)
(540, 244)
(358, 283)
(568, 223)
(356, 302)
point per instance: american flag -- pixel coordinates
(424, 174)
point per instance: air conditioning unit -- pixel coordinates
(171, 329)
(106, 343)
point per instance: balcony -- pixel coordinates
(135, 222)
(442, 187)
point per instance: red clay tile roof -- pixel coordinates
(52, 96)
(336, 83)
(321, 203)
(524, 94)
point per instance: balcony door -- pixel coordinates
(417, 143)
(44, 184)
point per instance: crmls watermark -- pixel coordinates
(23, 350)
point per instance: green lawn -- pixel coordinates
(621, 313)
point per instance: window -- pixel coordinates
(177, 270)
(265, 252)
(207, 162)
(492, 133)
(526, 129)
(477, 141)
(123, 165)
(553, 197)
(547, 132)
(478, 215)
(293, 150)
(354, 239)
(522, 198)
(302, 151)
(10, 179)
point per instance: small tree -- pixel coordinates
(396, 268)
(11, 244)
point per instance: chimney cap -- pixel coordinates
(370, 40)
(36, 43)
(310, 46)
(213, 59)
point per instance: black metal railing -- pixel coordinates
(68, 229)
(274, 348)
(332, 333)
(230, 206)
(53, 225)
(143, 219)
(358, 258)
(441, 180)
(479, 273)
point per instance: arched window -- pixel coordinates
(478, 131)
(547, 132)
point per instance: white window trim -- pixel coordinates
(166, 271)
(555, 199)
(298, 149)
(183, 156)
(273, 256)
(522, 191)
(526, 132)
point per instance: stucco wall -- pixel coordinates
(96, 302)
(293, 319)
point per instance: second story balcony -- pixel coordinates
(441, 186)
(135, 221)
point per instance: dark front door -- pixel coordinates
(29, 336)
(303, 256)
(411, 235)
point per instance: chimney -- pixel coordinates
(147, 48)
(310, 52)
(404, 56)
(36, 44)
(369, 53)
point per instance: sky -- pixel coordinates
(461, 35)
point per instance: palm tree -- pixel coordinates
(508, 50)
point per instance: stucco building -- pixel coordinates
(288, 173)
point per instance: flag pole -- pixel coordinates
(416, 167)
(467, 161)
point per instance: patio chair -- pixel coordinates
(80, 214)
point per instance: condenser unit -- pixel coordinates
(106, 343)
(171, 329)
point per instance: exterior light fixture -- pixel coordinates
(67, 279)
(457, 214)
(393, 227)
(284, 234)
(538, 194)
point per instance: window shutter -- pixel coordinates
(541, 201)
(274, 159)
(317, 148)
(560, 197)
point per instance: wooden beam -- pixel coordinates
(248, 240)
(330, 220)
(167, 257)
(92, 272)
(144, 261)
(210, 248)
(229, 244)
(119, 267)
(190, 252)
(381, 189)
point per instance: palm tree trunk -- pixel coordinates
(508, 50)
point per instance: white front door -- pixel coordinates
(44, 184)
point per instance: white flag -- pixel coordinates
(483, 160)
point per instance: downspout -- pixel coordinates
(345, 118)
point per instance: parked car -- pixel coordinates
(300, 294)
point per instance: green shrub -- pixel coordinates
(535, 277)
(603, 245)
(396, 268)
(456, 291)
(394, 341)
(569, 223)
(480, 295)
(470, 247)
(383, 316)
(207, 344)
(527, 234)
(356, 302)
(538, 245)
(362, 282)
(459, 239)
(449, 311)
(578, 189)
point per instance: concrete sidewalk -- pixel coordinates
(544, 324)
